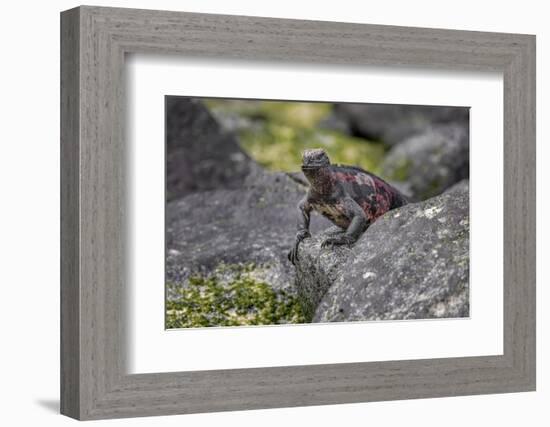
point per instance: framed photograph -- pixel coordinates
(261, 213)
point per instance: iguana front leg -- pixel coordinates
(336, 231)
(304, 209)
(356, 227)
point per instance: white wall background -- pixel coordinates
(29, 224)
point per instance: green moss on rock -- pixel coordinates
(215, 300)
(278, 132)
(294, 114)
(279, 147)
(432, 189)
(400, 170)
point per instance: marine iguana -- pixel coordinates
(348, 196)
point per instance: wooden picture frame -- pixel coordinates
(94, 382)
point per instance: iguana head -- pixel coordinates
(314, 159)
(315, 165)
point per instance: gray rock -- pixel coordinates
(253, 224)
(391, 124)
(430, 162)
(412, 263)
(336, 122)
(461, 186)
(199, 154)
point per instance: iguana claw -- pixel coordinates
(293, 254)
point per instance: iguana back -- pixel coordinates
(372, 193)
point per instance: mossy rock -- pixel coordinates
(399, 170)
(276, 133)
(294, 114)
(429, 162)
(279, 147)
(231, 296)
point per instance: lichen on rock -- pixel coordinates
(231, 295)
